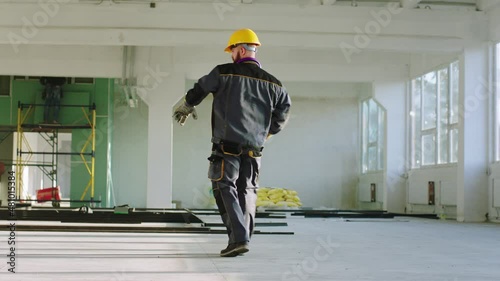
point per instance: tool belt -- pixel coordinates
(235, 149)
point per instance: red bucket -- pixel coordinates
(48, 194)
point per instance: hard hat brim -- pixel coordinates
(228, 48)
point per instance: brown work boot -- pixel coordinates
(235, 249)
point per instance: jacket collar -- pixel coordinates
(249, 60)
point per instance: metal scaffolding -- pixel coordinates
(50, 133)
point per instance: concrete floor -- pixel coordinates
(321, 249)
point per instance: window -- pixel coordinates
(497, 102)
(69, 80)
(372, 133)
(4, 85)
(434, 117)
(82, 80)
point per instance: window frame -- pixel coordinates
(436, 131)
(496, 103)
(379, 143)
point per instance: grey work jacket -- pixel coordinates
(249, 103)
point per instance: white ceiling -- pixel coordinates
(422, 4)
(419, 4)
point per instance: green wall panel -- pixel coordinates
(102, 86)
(100, 93)
(5, 110)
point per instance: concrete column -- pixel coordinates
(473, 153)
(160, 133)
(391, 95)
(160, 88)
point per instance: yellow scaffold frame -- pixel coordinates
(91, 169)
(20, 140)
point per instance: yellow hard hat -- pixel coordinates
(240, 37)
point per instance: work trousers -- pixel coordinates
(234, 182)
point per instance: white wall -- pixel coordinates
(64, 166)
(445, 184)
(391, 95)
(494, 193)
(316, 154)
(191, 148)
(473, 145)
(66, 61)
(494, 24)
(364, 191)
(129, 153)
(300, 64)
(421, 64)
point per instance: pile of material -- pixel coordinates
(277, 198)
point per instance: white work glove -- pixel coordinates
(182, 113)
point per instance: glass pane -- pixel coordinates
(364, 167)
(443, 146)
(4, 85)
(415, 114)
(497, 104)
(443, 112)
(443, 95)
(373, 122)
(429, 150)
(455, 76)
(454, 145)
(381, 143)
(372, 158)
(430, 99)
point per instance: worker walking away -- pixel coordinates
(249, 106)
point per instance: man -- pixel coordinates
(249, 106)
(52, 94)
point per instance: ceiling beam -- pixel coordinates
(409, 4)
(181, 24)
(168, 37)
(328, 2)
(484, 5)
(391, 21)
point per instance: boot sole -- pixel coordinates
(235, 252)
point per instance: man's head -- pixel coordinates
(241, 51)
(243, 43)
